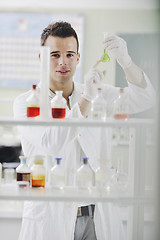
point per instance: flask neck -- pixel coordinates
(59, 93)
(23, 160)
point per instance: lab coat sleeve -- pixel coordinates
(43, 137)
(138, 99)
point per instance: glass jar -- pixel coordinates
(38, 172)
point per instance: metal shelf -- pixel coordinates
(115, 195)
(110, 122)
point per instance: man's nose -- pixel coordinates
(62, 60)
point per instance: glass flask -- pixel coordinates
(85, 175)
(33, 107)
(58, 105)
(120, 178)
(120, 109)
(105, 57)
(99, 107)
(57, 175)
(23, 172)
(38, 172)
(103, 178)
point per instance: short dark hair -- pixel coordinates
(59, 29)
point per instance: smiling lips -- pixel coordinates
(63, 72)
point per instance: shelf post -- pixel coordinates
(137, 151)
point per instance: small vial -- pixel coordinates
(58, 105)
(38, 172)
(99, 107)
(23, 172)
(33, 107)
(57, 175)
(121, 106)
(85, 175)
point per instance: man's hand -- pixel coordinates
(117, 47)
(92, 81)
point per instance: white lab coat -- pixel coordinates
(56, 220)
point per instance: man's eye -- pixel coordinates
(70, 55)
(55, 55)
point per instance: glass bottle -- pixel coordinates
(33, 107)
(57, 175)
(99, 106)
(85, 175)
(38, 172)
(23, 172)
(120, 108)
(58, 105)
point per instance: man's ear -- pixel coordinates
(78, 57)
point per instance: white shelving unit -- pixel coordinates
(135, 196)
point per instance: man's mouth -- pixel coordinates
(63, 71)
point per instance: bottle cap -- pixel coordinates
(58, 160)
(85, 160)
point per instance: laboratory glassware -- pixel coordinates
(120, 178)
(38, 172)
(9, 175)
(33, 107)
(99, 107)
(57, 175)
(23, 172)
(105, 57)
(120, 109)
(0, 172)
(44, 82)
(58, 105)
(103, 176)
(85, 175)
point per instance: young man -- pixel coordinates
(63, 220)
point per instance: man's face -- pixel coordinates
(63, 58)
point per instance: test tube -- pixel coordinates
(44, 82)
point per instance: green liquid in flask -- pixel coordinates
(105, 57)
